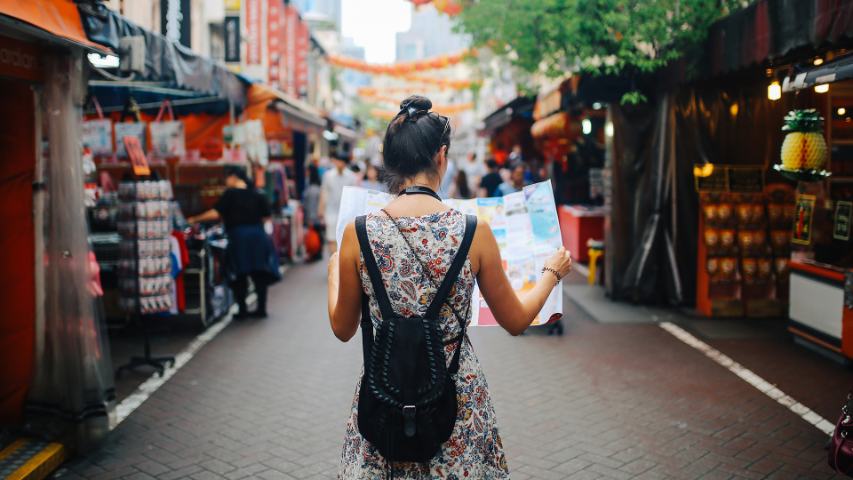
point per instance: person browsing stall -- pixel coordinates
(250, 252)
(408, 272)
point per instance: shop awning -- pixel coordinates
(49, 19)
(772, 29)
(165, 61)
(518, 107)
(295, 113)
(558, 125)
(839, 69)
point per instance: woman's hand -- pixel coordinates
(561, 262)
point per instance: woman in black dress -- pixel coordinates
(250, 251)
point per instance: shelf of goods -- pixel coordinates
(743, 252)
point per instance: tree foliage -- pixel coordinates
(626, 37)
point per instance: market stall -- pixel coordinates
(57, 381)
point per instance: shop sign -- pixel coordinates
(19, 59)
(175, 21)
(232, 38)
(232, 5)
(253, 32)
(746, 179)
(137, 156)
(841, 225)
(803, 216)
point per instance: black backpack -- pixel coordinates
(407, 401)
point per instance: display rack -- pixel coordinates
(145, 266)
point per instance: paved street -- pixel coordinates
(268, 399)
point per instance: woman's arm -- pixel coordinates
(513, 312)
(345, 287)
(211, 215)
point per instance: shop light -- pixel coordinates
(608, 129)
(733, 109)
(704, 170)
(596, 106)
(841, 111)
(822, 88)
(774, 90)
(818, 61)
(103, 61)
(586, 125)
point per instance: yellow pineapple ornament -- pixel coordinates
(804, 151)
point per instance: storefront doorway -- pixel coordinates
(17, 246)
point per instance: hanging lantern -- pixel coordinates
(804, 151)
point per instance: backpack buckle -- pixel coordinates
(409, 426)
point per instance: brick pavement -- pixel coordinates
(268, 399)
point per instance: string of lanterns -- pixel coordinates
(449, 110)
(448, 7)
(402, 68)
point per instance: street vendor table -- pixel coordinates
(579, 224)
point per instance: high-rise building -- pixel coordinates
(329, 8)
(431, 34)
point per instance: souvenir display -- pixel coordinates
(145, 267)
(745, 247)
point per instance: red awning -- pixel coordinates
(59, 18)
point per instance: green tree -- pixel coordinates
(626, 37)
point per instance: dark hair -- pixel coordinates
(491, 164)
(238, 172)
(313, 175)
(412, 140)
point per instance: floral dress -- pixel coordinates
(474, 450)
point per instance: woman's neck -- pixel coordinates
(422, 180)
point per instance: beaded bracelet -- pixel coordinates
(556, 273)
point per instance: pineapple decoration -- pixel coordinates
(804, 151)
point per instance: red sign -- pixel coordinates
(253, 32)
(275, 40)
(19, 59)
(137, 156)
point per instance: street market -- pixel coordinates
(639, 221)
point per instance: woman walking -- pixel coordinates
(411, 245)
(250, 251)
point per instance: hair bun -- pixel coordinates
(416, 102)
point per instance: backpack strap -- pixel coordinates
(385, 307)
(447, 284)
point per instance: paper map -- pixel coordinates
(524, 224)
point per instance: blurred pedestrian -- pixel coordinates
(250, 252)
(371, 178)
(516, 182)
(460, 188)
(405, 421)
(491, 180)
(515, 157)
(474, 170)
(331, 190)
(311, 205)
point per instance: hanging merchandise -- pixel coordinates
(97, 134)
(167, 137)
(804, 151)
(145, 267)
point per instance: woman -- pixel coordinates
(250, 251)
(460, 186)
(415, 150)
(371, 178)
